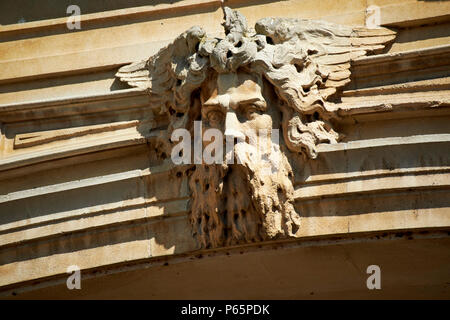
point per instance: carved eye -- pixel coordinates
(215, 116)
(251, 111)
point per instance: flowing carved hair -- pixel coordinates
(306, 61)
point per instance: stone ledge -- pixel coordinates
(411, 14)
(97, 18)
(131, 136)
(379, 65)
(400, 67)
(396, 238)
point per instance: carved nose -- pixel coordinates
(233, 127)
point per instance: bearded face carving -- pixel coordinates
(249, 86)
(250, 199)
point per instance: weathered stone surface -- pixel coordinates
(86, 179)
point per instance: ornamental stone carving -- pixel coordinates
(284, 74)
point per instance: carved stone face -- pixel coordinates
(250, 200)
(236, 104)
(241, 107)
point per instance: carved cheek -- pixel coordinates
(260, 121)
(215, 119)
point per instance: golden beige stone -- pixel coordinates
(359, 176)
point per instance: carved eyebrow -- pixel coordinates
(257, 101)
(206, 108)
(260, 104)
(210, 103)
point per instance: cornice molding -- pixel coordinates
(102, 17)
(379, 66)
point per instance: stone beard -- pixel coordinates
(251, 200)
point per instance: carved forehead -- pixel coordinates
(238, 87)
